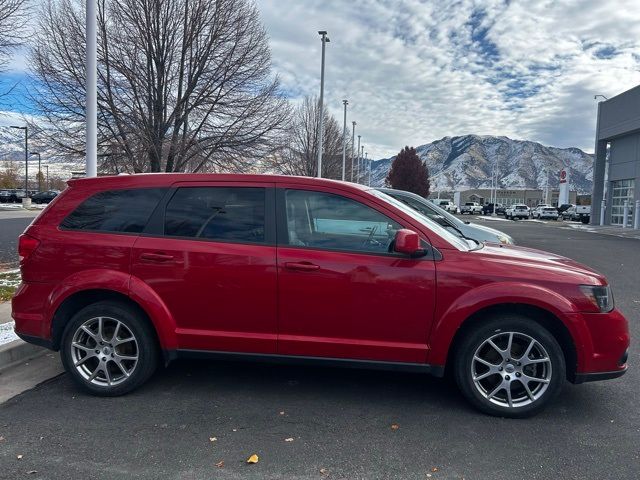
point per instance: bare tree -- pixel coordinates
(13, 21)
(184, 85)
(299, 155)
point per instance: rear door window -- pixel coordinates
(231, 214)
(126, 211)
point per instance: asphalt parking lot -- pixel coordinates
(331, 423)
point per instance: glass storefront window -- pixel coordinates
(621, 190)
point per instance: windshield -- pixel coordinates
(459, 243)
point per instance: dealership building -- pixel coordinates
(616, 173)
(507, 197)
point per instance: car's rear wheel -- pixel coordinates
(509, 366)
(109, 348)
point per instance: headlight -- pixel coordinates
(600, 296)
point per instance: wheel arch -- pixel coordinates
(83, 298)
(543, 317)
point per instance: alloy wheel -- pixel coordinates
(511, 369)
(104, 351)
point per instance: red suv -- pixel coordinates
(122, 272)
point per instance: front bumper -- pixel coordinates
(597, 376)
(602, 343)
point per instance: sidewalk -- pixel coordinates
(22, 365)
(607, 230)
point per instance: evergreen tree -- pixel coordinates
(409, 173)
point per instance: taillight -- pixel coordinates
(26, 246)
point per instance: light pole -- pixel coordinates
(353, 145)
(360, 163)
(26, 158)
(358, 160)
(344, 140)
(91, 107)
(47, 180)
(367, 167)
(324, 40)
(39, 171)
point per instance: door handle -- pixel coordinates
(156, 257)
(301, 266)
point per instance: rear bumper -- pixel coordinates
(28, 307)
(41, 342)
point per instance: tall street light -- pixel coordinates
(26, 158)
(344, 140)
(47, 180)
(91, 107)
(39, 171)
(361, 163)
(324, 40)
(353, 142)
(368, 167)
(358, 160)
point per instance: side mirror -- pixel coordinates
(407, 242)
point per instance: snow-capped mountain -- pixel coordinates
(458, 163)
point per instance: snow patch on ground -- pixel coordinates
(7, 334)
(495, 219)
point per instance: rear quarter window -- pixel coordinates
(115, 211)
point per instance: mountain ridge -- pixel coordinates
(466, 161)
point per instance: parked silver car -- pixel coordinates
(444, 218)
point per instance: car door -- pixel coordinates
(209, 254)
(341, 293)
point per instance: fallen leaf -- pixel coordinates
(220, 464)
(324, 471)
(434, 469)
(31, 472)
(19, 457)
(213, 439)
(395, 426)
(288, 439)
(1, 439)
(253, 459)
(428, 475)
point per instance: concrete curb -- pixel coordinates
(17, 352)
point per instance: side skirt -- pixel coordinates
(435, 370)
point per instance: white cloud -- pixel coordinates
(415, 71)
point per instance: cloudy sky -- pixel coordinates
(415, 71)
(418, 70)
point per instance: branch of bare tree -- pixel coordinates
(183, 85)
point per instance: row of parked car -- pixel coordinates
(16, 195)
(579, 213)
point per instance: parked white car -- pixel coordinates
(452, 223)
(472, 208)
(545, 211)
(446, 205)
(516, 211)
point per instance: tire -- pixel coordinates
(525, 333)
(135, 339)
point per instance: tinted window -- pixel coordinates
(324, 220)
(217, 213)
(115, 211)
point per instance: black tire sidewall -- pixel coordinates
(136, 323)
(472, 340)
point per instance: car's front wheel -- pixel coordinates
(509, 366)
(109, 348)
